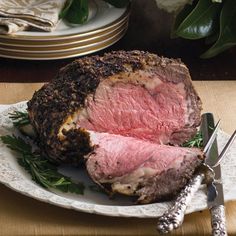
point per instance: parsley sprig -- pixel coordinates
(196, 141)
(41, 169)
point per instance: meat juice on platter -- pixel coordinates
(123, 116)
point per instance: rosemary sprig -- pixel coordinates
(41, 169)
(196, 141)
(19, 118)
(22, 122)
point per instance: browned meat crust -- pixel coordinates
(168, 183)
(51, 105)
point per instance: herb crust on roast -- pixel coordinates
(124, 100)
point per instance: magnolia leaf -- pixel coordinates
(181, 16)
(227, 36)
(212, 38)
(118, 3)
(65, 9)
(78, 11)
(201, 22)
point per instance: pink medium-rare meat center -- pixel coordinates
(116, 156)
(133, 110)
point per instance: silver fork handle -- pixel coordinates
(174, 217)
(218, 221)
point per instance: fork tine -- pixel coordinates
(226, 148)
(212, 138)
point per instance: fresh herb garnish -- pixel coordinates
(19, 118)
(22, 123)
(196, 141)
(41, 169)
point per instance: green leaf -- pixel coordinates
(181, 16)
(227, 36)
(201, 22)
(78, 11)
(65, 9)
(118, 3)
(212, 38)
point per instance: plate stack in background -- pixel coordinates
(105, 26)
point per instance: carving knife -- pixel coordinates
(215, 204)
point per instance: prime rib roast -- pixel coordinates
(124, 115)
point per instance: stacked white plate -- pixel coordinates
(105, 26)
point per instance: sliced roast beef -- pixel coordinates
(140, 168)
(120, 112)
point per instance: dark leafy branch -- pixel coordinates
(77, 11)
(227, 32)
(214, 21)
(118, 3)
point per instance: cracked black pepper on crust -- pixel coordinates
(66, 94)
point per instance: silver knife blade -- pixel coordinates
(216, 204)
